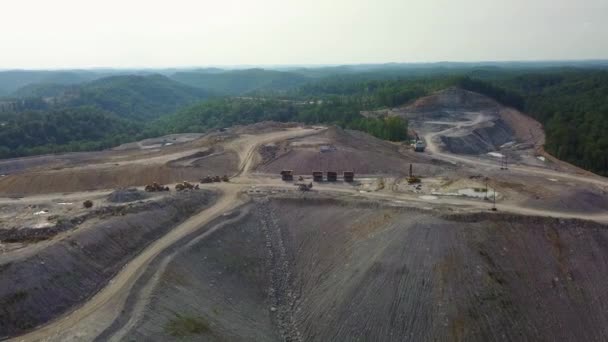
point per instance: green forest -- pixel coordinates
(101, 112)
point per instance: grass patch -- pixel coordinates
(183, 325)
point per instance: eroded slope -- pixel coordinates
(317, 270)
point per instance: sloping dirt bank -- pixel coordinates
(341, 150)
(317, 270)
(109, 177)
(38, 288)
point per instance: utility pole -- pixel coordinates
(485, 196)
(494, 201)
(504, 165)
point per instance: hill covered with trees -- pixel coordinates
(572, 103)
(62, 130)
(241, 82)
(132, 96)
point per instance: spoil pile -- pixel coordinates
(126, 195)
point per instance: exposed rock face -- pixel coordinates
(483, 139)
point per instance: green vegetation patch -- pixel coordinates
(184, 325)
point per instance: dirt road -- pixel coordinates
(118, 287)
(105, 305)
(94, 316)
(434, 149)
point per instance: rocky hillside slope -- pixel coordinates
(320, 269)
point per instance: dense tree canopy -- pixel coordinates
(74, 129)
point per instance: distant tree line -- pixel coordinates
(343, 112)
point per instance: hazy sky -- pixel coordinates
(150, 33)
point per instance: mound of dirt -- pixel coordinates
(341, 150)
(452, 99)
(37, 288)
(127, 195)
(318, 270)
(84, 179)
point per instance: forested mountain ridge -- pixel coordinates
(138, 97)
(62, 130)
(12, 80)
(129, 96)
(241, 82)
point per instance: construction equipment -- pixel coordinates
(349, 176)
(332, 176)
(504, 163)
(287, 175)
(185, 186)
(419, 145)
(206, 180)
(412, 179)
(317, 176)
(225, 178)
(304, 187)
(155, 187)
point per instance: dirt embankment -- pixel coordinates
(84, 179)
(38, 288)
(465, 122)
(480, 139)
(341, 150)
(318, 270)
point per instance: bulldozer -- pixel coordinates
(155, 187)
(186, 186)
(207, 180)
(304, 187)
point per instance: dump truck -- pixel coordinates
(349, 176)
(287, 175)
(317, 176)
(332, 176)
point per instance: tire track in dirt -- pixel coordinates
(434, 149)
(110, 299)
(106, 304)
(119, 329)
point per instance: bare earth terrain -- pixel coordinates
(256, 259)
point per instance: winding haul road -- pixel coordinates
(107, 303)
(94, 316)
